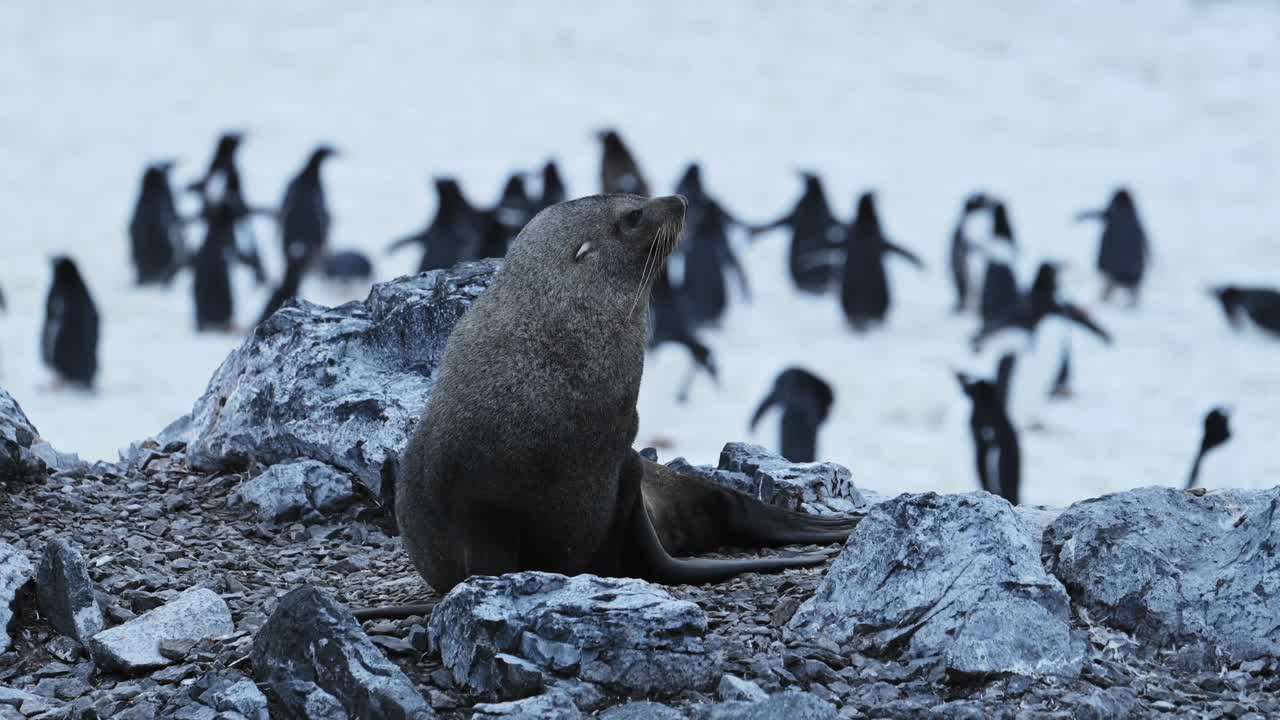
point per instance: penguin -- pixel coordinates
(997, 456)
(346, 266)
(707, 258)
(553, 190)
(1061, 389)
(304, 214)
(864, 289)
(215, 306)
(1032, 307)
(814, 230)
(806, 401)
(155, 230)
(1244, 306)
(221, 184)
(999, 285)
(669, 323)
(455, 233)
(504, 221)
(619, 172)
(1217, 432)
(962, 252)
(1124, 251)
(69, 339)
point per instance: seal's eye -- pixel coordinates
(584, 250)
(631, 220)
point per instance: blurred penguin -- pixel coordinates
(995, 442)
(455, 233)
(221, 185)
(211, 288)
(304, 214)
(964, 273)
(999, 283)
(346, 267)
(814, 230)
(1217, 432)
(553, 190)
(1250, 307)
(669, 323)
(294, 269)
(1124, 252)
(708, 256)
(155, 230)
(806, 401)
(504, 221)
(864, 288)
(619, 172)
(69, 339)
(1031, 309)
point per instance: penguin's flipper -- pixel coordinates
(1081, 318)
(1090, 215)
(1004, 377)
(785, 220)
(404, 241)
(904, 254)
(771, 399)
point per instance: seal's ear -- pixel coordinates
(584, 250)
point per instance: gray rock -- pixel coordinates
(1176, 569)
(553, 705)
(624, 634)
(642, 710)
(790, 705)
(733, 687)
(344, 385)
(13, 697)
(196, 614)
(23, 453)
(65, 594)
(296, 489)
(241, 696)
(15, 571)
(311, 654)
(822, 488)
(955, 576)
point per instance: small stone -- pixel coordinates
(553, 705)
(64, 648)
(290, 490)
(735, 688)
(65, 593)
(242, 696)
(195, 614)
(176, 650)
(15, 571)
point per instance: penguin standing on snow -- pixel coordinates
(995, 442)
(707, 258)
(455, 233)
(215, 305)
(619, 172)
(221, 185)
(814, 231)
(304, 214)
(864, 290)
(1033, 307)
(504, 221)
(1217, 432)
(1245, 306)
(69, 339)
(155, 230)
(1123, 253)
(999, 285)
(962, 252)
(669, 323)
(806, 401)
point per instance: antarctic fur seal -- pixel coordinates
(523, 458)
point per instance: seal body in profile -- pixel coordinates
(523, 458)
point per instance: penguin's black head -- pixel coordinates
(1046, 282)
(1229, 297)
(228, 142)
(983, 393)
(692, 175)
(610, 138)
(322, 153)
(812, 184)
(514, 193)
(1217, 429)
(65, 271)
(163, 166)
(976, 202)
(550, 173)
(1121, 201)
(449, 192)
(867, 204)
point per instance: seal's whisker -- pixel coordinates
(644, 278)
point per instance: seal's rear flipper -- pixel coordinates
(648, 560)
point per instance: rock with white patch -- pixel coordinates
(955, 576)
(1176, 568)
(623, 634)
(818, 487)
(134, 646)
(65, 593)
(342, 385)
(304, 488)
(15, 571)
(23, 453)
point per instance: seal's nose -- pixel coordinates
(670, 207)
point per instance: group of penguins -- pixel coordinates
(688, 295)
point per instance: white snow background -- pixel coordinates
(1049, 105)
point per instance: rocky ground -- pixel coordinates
(210, 573)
